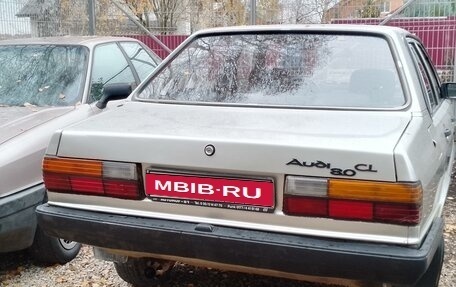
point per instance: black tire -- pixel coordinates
(432, 275)
(51, 250)
(144, 271)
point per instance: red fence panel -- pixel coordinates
(437, 33)
(171, 41)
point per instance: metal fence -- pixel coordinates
(434, 21)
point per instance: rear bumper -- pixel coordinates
(18, 218)
(257, 249)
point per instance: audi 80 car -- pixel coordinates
(321, 153)
(46, 84)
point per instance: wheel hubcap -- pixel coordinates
(67, 244)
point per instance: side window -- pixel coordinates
(109, 66)
(142, 61)
(432, 73)
(429, 92)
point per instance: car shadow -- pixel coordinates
(12, 263)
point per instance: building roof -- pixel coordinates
(36, 8)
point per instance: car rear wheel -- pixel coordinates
(51, 250)
(144, 271)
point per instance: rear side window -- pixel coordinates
(282, 70)
(429, 93)
(141, 60)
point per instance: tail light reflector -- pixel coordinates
(56, 182)
(92, 177)
(407, 214)
(395, 203)
(87, 185)
(122, 188)
(294, 205)
(350, 209)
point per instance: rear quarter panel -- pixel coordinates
(21, 156)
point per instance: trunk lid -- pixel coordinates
(251, 143)
(259, 141)
(17, 120)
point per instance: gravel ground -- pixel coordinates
(17, 269)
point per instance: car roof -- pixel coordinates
(88, 41)
(351, 28)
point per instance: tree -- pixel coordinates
(167, 13)
(216, 13)
(268, 12)
(74, 18)
(141, 10)
(370, 10)
(321, 6)
(232, 12)
(306, 11)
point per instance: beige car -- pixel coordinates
(45, 85)
(320, 153)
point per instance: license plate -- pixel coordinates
(222, 192)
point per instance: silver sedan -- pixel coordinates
(45, 85)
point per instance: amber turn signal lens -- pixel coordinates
(375, 191)
(73, 166)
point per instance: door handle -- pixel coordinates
(447, 133)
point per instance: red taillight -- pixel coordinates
(294, 205)
(56, 182)
(350, 209)
(122, 188)
(407, 214)
(395, 203)
(86, 185)
(67, 176)
(403, 214)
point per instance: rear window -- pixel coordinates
(315, 70)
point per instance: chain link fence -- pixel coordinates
(12, 26)
(434, 21)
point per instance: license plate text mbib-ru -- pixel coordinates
(244, 194)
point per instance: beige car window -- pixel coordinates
(109, 66)
(425, 80)
(143, 62)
